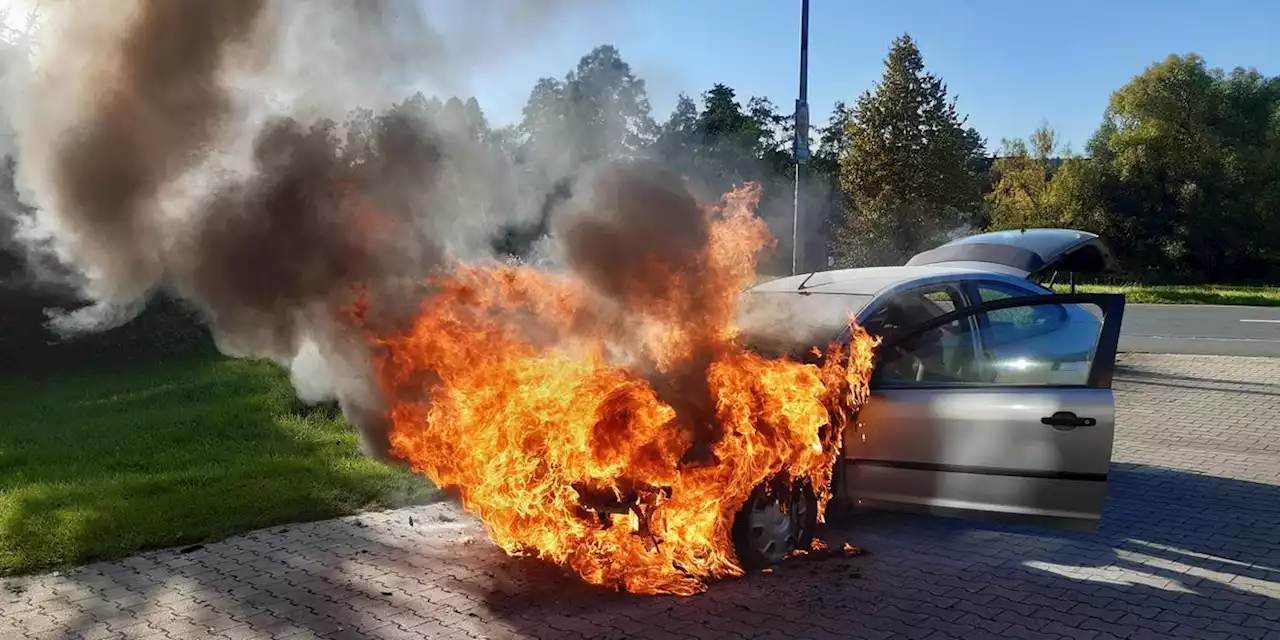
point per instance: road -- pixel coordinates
(1186, 551)
(1201, 330)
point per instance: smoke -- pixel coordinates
(193, 147)
(148, 116)
(630, 226)
(639, 238)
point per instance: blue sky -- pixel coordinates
(1013, 64)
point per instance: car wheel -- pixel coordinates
(774, 523)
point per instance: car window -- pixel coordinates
(1058, 354)
(944, 298)
(912, 307)
(1016, 323)
(939, 355)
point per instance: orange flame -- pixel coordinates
(515, 390)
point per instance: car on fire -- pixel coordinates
(991, 395)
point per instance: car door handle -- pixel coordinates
(1067, 419)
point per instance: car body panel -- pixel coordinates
(982, 451)
(824, 306)
(982, 447)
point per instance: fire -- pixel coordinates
(619, 443)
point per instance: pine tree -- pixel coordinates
(907, 165)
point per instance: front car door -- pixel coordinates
(1016, 334)
(974, 413)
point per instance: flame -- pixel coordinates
(619, 445)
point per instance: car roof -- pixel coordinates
(866, 281)
(810, 308)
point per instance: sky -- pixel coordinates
(1012, 64)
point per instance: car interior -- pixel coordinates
(944, 354)
(1019, 323)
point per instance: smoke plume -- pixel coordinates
(148, 120)
(634, 232)
(192, 147)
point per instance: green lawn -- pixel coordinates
(102, 465)
(1185, 294)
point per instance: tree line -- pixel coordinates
(1182, 175)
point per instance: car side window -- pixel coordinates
(944, 354)
(912, 307)
(1057, 351)
(1016, 323)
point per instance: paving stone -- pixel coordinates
(1184, 551)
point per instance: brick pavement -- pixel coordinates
(1187, 550)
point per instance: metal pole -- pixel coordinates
(802, 135)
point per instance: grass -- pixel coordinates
(104, 465)
(1186, 294)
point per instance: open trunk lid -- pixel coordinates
(1023, 252)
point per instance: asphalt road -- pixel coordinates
(1201, 330)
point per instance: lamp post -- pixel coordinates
(802, 135)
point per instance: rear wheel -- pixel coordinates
(773, 523)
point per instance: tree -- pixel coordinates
(733, 144)
(726, 143)
(1074, 196)
(464, 118)
(599, 111)
(826, 207)
(1020, 198)
(11, 210)
(1189, 165)
(1040, 184)
(678, 137)
(774, 128)
(461, 120)
(907, 165)
(831, 140)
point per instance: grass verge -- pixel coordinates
(1185, 294)
(104, 465)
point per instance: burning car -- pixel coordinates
(991, 395)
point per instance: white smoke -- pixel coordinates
(155, 140)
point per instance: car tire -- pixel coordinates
(773, 523)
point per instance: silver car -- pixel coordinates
(991, 396)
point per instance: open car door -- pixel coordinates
(1025, 436)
